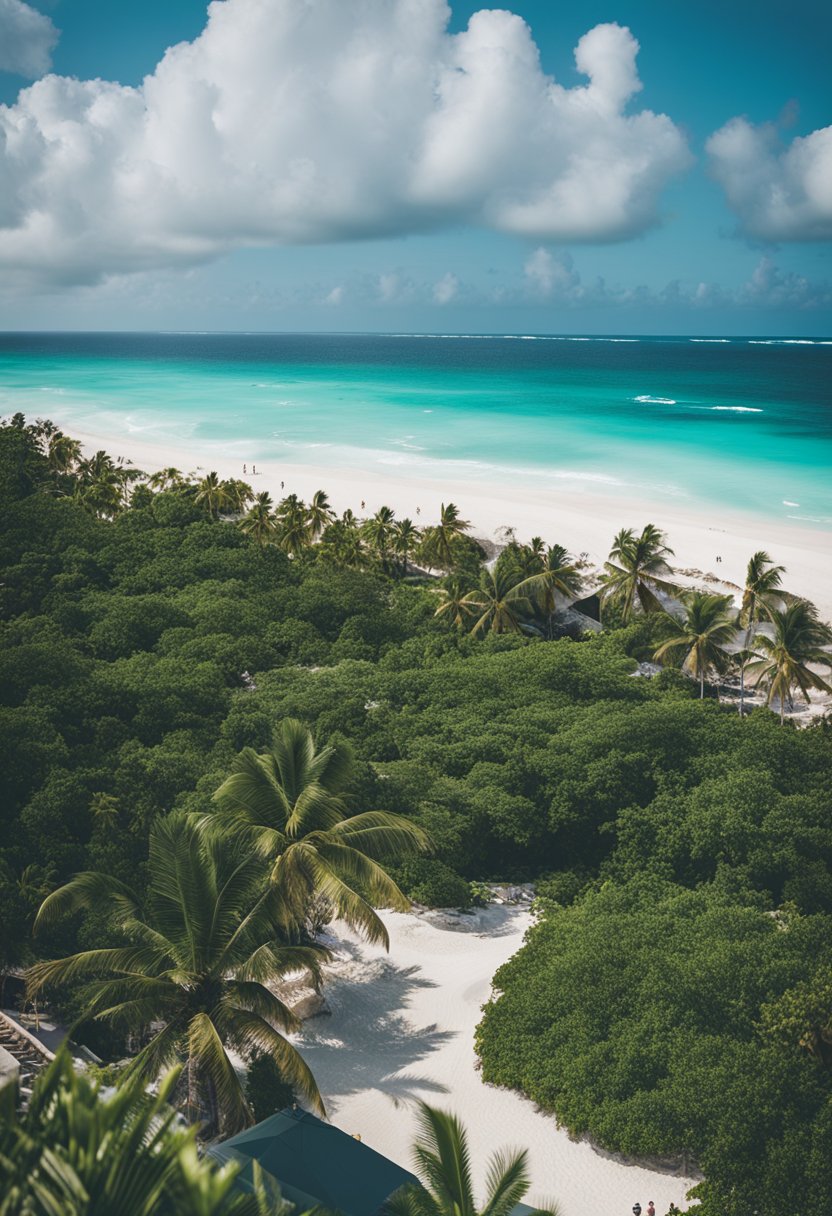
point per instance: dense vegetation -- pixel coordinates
(675, 997)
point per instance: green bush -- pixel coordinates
(428, 881)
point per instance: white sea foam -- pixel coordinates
(648, 400)
(709, 339)
(788, 503)
(785, 342)
(737, 409)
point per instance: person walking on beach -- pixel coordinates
(244, 470)
(651, 1208)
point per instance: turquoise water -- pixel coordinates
(742, 424)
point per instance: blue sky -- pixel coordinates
(284, 203)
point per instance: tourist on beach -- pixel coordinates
(636, 1209)
(651, 1208)
(363, 504)
(254, 468)
(244, 470)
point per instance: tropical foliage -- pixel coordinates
(288, 802)
(443, 1163)
(146, 646)
(79, 1151)
(190, 977)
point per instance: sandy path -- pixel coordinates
(402, 1027)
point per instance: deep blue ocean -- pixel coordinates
(741, 423)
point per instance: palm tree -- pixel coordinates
(288, 800)
(75, 1151)
(558, 576)
(166, 479)
(238, 494)
(455, 606)
(259, 522)
(319, 514)
(379, 532)
(212, 494)
(702, 636)
(193, 970)
(292, 525)
(438, 539)
(636, 570)
(800, 638)
(406, 537)
(501, 604)
(759, 598)
(443, 1162)
(64, 453)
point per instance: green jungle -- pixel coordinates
(220, 709)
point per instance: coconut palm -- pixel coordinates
(379, 532)
(292, 525)
(558, 576)
(454, 604)
(700, 639)
(166, 479)
(502, 606)
(193, 969)
(319, 514)
(288, 802)
(212, 494)
(438, 539)
(759, 598)
(238, 494)
(406, 537)
(76, 1151)
(259, 522)
(636, 570)
(64, 453)
(783, 664)
(443, 1162)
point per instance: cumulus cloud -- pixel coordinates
(292, 121)
(27, 39)
(779, 193)
(549, 275)
(553, 277)
(335, 297)
(445, 290)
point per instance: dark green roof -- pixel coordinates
(315, 1164)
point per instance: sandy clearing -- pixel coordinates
(402, 1027)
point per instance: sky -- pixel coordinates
(633, 166)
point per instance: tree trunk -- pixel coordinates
(742, 688)
(701, 683)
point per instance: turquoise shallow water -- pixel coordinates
(744, 424)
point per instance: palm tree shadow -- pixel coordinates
(367, 1043)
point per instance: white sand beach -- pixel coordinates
(402, 1027)
(585, 521)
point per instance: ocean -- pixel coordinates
(739, 423)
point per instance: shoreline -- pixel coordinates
(584, 522)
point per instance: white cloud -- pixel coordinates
(27, 39)
(445, 290)
(778, 193)
(549, 275)
(292, 121)
(335, 297)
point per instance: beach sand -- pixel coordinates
(585, 522)
(402, 1027)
